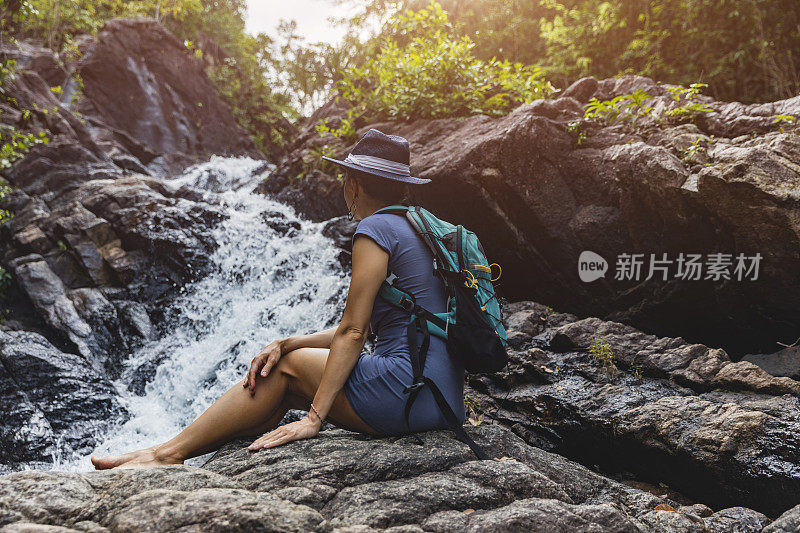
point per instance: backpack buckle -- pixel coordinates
(406, 304)
(414, 386)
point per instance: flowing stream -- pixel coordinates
(267, 282)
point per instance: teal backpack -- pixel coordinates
(472, 325)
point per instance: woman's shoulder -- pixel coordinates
(383, 217)
(382, 228)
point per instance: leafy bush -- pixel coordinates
(623, 107)
(435, 74)
(632, 107)
(13, 142)
(690, 109)
(56, 22)
(783, 120)
(745, 50)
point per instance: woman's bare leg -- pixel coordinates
(291, 384)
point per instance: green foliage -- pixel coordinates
(632, 107)
(57, 22)
(254, 106)
(688, 153)
(312, 160)
(5, 277)
(346, 129)
(622, 107)
(14, 144)
(690, 109)
(601, 350)
(687, 93)
(575, 128)
(783, 120)
(434, 74)
(569, 29)
(8, 68)
(4, 190)
(745, 50)
(243, 77)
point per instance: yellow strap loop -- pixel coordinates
(471, 282)
(500, 271)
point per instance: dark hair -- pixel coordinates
(384, 189)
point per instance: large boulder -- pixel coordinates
(53, 403)
(138, 78)
(660, 409)
(541, 185)
(340, 481)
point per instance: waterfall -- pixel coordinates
(274, 274)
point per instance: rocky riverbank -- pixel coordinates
(722, 433)
(607, 418)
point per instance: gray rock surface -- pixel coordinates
(136, 64)
(784, 362)
(724, 433)
(344, 482)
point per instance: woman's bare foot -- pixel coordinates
(145, 458)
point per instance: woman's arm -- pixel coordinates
(320, 339)
(269, 356)
(370, 262)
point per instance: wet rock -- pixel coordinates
(52, 401)
(722, 433)
(736, 519)
(130, 233)
(279, 223)
(49, 297)
(786, 523)
(341, 230)
(326, 192)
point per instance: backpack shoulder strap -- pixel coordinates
(399, 297)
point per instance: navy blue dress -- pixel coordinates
(375, 386)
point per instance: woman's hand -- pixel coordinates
(263, 362)
(302, 429)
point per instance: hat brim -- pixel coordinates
(381, 173)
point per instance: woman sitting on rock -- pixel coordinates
(326, 372)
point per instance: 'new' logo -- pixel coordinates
(591, 266)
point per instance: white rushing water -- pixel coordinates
(265, 284)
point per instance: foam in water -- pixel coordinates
(265, 284)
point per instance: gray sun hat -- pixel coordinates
(380, 154)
